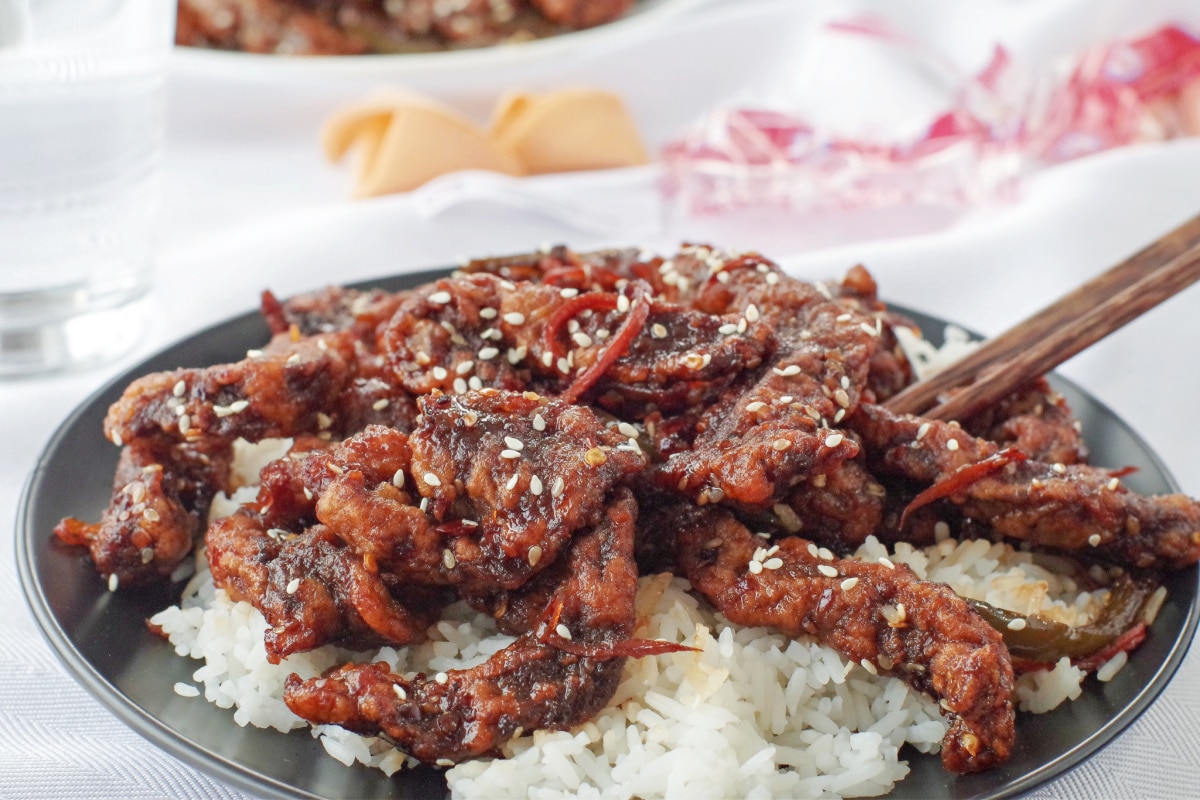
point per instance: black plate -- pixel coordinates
(104, 643)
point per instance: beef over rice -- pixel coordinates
(618, 525)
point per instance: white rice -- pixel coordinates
(752, 714)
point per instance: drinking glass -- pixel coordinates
(82, 95)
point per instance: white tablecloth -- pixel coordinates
(253, 206)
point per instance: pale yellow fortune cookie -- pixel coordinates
(567, 130)
(404, 140)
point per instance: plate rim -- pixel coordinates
(161, 735)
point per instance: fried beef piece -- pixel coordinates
(292, 27)
(530, 471)
(1067, 507)
(160, 498)
(1037, 421)
(755, 444)
(582, 13)
(543, 680)
(312, 589)
(279, 392)
(871, 613)
(332, 310)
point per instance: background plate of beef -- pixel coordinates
(421, 60)
(103, 641)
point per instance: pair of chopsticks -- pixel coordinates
(1043, 341)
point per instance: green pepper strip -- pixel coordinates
(1044, 641)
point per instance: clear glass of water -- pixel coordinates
(82, 95)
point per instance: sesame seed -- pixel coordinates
(510, 454)
(921, 431)
(113, 582)
(563, 631)
(771, 279)
(827, 571)
(475, 383)
(869, 667)
(150, 515)
(399, 690)
(1113, 484)
(833, 439)
(294, 358)
(564, 366)
(780, 444)
(849, 584)
(179, 388)
(773, 563)
(293, 585)
(488, 313)
(1017, 624)
(757, 405)
(512, 482)
(841, 398)
(439, 373)
(185, 422)
(952, 444)
(839, 416)
(514, 444)
(1061, 469)
(887, 563)
(432, 480)
(444, 762)
(844, 317)
(488, 353)
(755, 567)
(147, 554)
(424, 504)
(568, 293)
(727, 329)
(595, 457)
(535, 555)
(491, 333)
(517, 354)
(460, 386)
(535, 486)
(868, 328)
(622, 303)
(582, 339)
(557, 488)
(539, 422)
(658, 330)
(441, 678)
(514, 318)
(448, 559)
(1094, 540)
(941, 530)
(463, 367)
(825, 554)
(381, 404)
(441, 298)
(752, 314)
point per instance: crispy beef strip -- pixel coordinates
(509, 478)
(1036, 420)
(311, 588)
(1070, 507)
(160, 500)
(541, 681)
(755, 444)
(878, 615)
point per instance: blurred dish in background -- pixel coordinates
(356, 27)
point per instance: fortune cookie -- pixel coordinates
(404, 140)
(567, 130)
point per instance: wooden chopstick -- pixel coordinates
(1059, 331)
